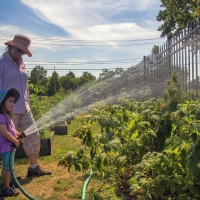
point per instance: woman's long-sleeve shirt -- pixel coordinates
(13, 76)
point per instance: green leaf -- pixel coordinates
(194, 137)
(158, 190)
(134, 188)
(165, 160)
(172, 186)
(190, 150)
(155, 118)
(151, 132)
(194, 190)
(69, 159)
(184, 197)
(77, 167)
(115, 144)
(178, 179)
(192, 165)
(105, 161)
(131, 123)
(92, 153)
(196, 153)
(103, 140)
(125, 117)
(134, 135)
(197, 112)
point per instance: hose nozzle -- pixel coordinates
(22, 135)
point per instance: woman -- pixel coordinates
(13, 74)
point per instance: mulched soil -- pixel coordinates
(124, 189)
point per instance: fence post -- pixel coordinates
(145, 68)
(169, 55)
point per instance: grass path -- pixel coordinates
(61, 185)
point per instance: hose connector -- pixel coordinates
(22, 135)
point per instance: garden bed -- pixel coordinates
(60, 128)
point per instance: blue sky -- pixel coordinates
(82, 35)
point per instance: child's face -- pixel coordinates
(9, 103)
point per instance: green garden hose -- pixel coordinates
(24, 192)
(12, 154)
(85, 185)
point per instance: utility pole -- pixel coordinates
(54, 76)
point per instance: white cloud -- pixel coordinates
(90, 20)
(80, 13)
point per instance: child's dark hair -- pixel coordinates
(2, 111)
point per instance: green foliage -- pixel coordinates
(176, 15)
(173, 93)
(106, 73)
(86, 77)
(38, 80)
(54, 84)
(45, 133)
(155, 49)
(158, 140)
(42, 104)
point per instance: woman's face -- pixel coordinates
(9, 103)
(16, 53)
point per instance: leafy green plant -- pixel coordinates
(157, 140)
(45, 133)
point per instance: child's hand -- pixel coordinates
(18, 134)
(17, 143)
(19, 137)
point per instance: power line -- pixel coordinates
(96, 45)
(103, 45)
(81, 69)
(77, 63)
(96, 41)
(80, 63)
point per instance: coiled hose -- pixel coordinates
(12, 155)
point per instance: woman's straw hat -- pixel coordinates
(20, 42)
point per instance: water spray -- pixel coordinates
(99, 93)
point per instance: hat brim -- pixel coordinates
(4, 93)
(27, 51)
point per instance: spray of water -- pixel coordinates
(98, 93)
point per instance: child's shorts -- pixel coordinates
(6, 160)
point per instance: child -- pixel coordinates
(8, 137)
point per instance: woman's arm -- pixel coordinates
(1, 75)
(8, 136)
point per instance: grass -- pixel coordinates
(61, 184)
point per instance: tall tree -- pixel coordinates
(86, 77)
(38, 79)
(38, 76)
(71, 74)
(195, 7)
(69, 82)
(106, 73)
(54, 84)
(177, 14)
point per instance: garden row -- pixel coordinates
(147, 149)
